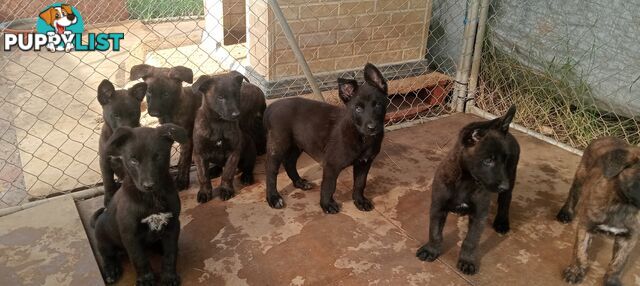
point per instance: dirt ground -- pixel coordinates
(243, 241)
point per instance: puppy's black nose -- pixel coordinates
(371, 126)
(147, 186)
(71, 17)
(235, 114)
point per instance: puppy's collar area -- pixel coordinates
(157, 221)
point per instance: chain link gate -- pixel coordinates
(50, 118)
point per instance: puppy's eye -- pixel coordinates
(133, 161)
(488, 162)
(359, 109)
(116, 115)
(220, 96)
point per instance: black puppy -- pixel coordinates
(227, 127)
(336, 137)
(608, 178)
(145, 209)
(171, 103)
(483, 160)
(119, 108)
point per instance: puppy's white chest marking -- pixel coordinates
(219, 143)
(612, 229)
(157, 221)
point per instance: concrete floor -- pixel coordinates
(243, 241)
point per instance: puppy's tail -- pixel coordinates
(95, 216)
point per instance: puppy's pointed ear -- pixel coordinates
(173, 132)
(374, 77)
(202, 84)
(347, 88)
(239, 77)
(140, 71)
(138, 91)
(181, 73)
(503, 122)
(615, 161)
(117, 140)
(48, 15)
(105, 91)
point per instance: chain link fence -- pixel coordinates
(50, 118)
(571, 67)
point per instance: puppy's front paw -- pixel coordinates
(501, 226)
(467, 267)
(275, 201)
(112, 272)
(146, 279)
(204, 196)
(612, 281)
(427, 253)
(564, 216)
(226, 193)
(574, 274)
(363, 204)
(170, 279)
(303, 184)
(247, 179)
(330, 207)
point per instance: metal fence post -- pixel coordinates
(464, 63)
(477, 53)
(296, 49)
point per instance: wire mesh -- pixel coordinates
(569, 66)
(50, 118)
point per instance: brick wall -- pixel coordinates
(341, 35)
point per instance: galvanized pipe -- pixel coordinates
(464, 64)
(295, 48)
(477, 52)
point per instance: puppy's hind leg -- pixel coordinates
(290, 162)
(621, 250)
(578, 269)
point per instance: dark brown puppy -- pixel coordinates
(484, 160)
(119, 108)
(170, 102)
(146, 208)
(608, 178)
(336, 137)
(227, 126)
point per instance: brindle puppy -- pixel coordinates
(484, 160)
(227, 127)
(608, 178)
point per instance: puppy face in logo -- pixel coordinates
(59, 17)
